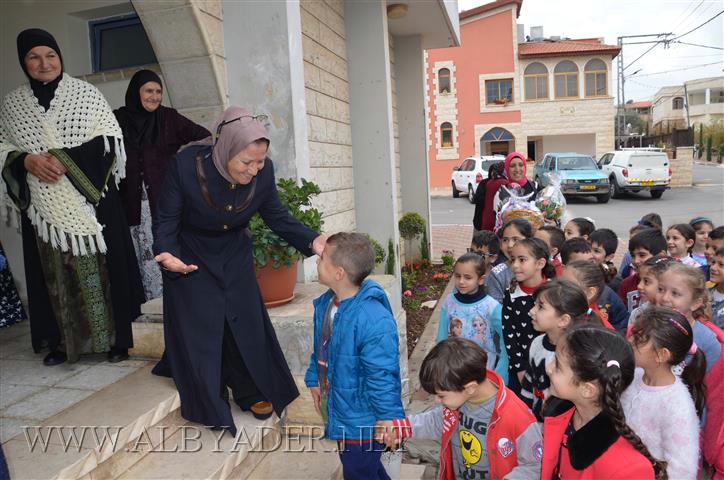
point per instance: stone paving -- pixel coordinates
(30, 392)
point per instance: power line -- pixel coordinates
(698, 45)
(683, 21)
(697, 28)
(680, 69)
(639, 57)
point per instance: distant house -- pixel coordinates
(706, 104)
(497, 92)
(642, 109)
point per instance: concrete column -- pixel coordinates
(266, 74)
(370, 91)
(707, 96)
(411, 117)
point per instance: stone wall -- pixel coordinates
(327, 97)
(570, 117)
(681, 167)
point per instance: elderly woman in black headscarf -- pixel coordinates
(62, 156)
(217, 331)
(152, 134)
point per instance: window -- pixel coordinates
(536, 81)
(596, 78)
(443, 80)
(678, 103)
(119, 42)
(446, 136)
(566, 79)
(498, 92)
(606, 159)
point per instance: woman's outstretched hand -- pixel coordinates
(173, 264)
(319, 243)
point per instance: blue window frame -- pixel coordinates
(119, 42)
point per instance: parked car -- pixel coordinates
(636, 169)
(470, 173)
(578, 173)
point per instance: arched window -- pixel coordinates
(596, 78)
(677, 103)
(443, 80)
(536, 81)
(566, 79)
(446, 137)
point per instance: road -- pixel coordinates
(676, 205)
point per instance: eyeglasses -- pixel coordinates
(244, 119)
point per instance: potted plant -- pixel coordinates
(275, 260)
(411, 225)
(500, 101)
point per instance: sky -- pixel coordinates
(613, 18)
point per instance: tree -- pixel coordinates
(411, 225)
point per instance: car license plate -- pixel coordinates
(588, 187)
(647, 183)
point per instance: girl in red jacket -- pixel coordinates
(592, 367)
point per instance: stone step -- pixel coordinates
(410, 471)
(128, 411)
(194, 451)
(299, 457)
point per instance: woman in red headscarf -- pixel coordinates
(515, 171)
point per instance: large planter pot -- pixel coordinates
(276, 284)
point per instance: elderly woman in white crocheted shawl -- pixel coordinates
(62, 156)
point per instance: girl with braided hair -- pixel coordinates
(593, 365)
(658, 405)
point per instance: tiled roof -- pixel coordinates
(644, 104)
(491, 6)
(558, 48)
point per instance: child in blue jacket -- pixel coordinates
(354, 369)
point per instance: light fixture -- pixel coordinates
(396, 11)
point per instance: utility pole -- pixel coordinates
(620, 86)
(686, 104)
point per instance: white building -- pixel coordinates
(706, 104)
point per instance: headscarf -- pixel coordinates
(26, 41)
(234, 138)
(140, 127)
(508, 160)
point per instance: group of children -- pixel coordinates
(550, 362)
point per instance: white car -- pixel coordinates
(470, 173)
(636, 169)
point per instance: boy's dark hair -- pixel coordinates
(557, 237)
(354, 253)
(574, 245)
(452, 364)
(652, 220)
(567, 297)
(589, 275)
(606, 238)
(539, 249)
(486, 238)
(717, 233)
(650, 239)
(590, 350)
(719, 251)
(667, 328)
(585, 226)
(686, 231)
(521, 224)
(638, 228)
(476, 259)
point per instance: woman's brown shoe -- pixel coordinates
(262, 410)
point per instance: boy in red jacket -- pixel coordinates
(486, 430)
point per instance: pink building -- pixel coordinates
(497, 93)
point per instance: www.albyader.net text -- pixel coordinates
(187, 438)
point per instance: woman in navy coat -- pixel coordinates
(216, 328)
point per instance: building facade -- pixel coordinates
(705, 105)
(325, 72)
(498, 93)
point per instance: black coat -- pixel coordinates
(148, 165)
(224, 287)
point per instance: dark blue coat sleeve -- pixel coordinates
(167, 222)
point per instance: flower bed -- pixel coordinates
(423, 283)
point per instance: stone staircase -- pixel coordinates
(133, 429)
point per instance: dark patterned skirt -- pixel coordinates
(11, 309)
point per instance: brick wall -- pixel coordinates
(327, 96)
(681, 166)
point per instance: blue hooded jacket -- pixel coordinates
(363, 363)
